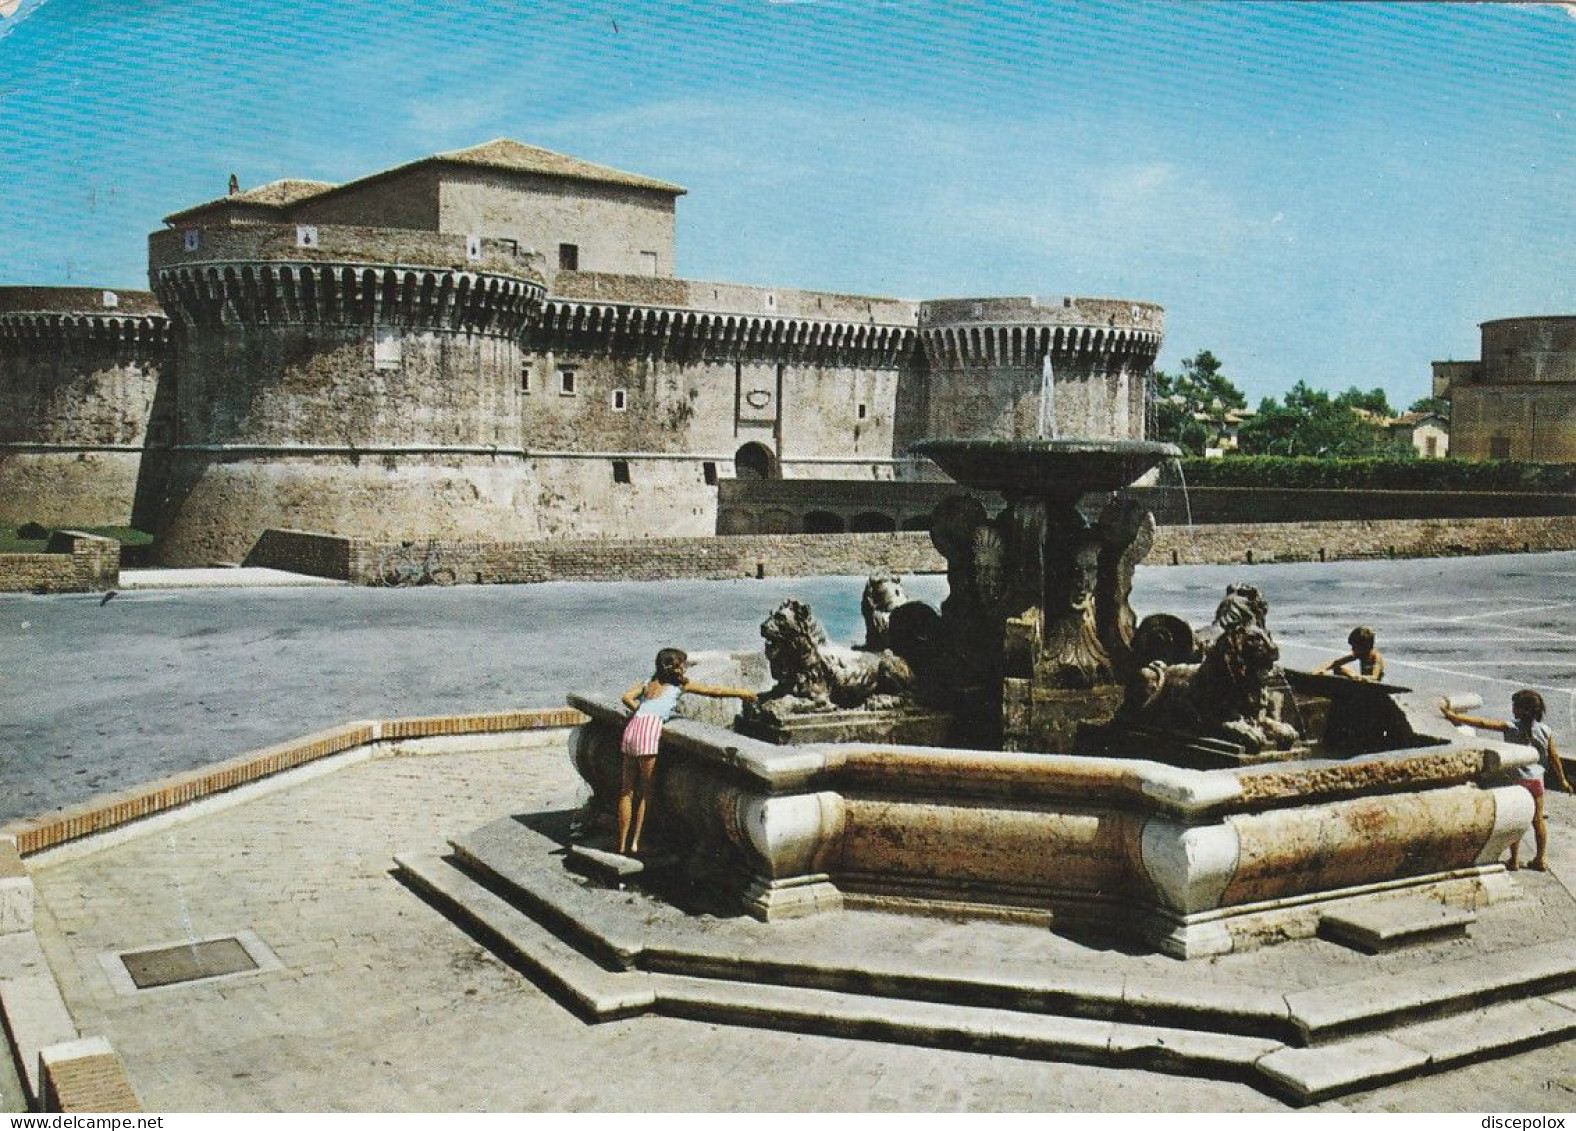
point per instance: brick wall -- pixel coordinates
(799, 555)
(73, 563)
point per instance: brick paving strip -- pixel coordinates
(113, 810)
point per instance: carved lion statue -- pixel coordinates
(813, 674)
(883, 593)
(1225, 696)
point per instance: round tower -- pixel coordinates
(1024, 368)
(79, 375)
(361, 381)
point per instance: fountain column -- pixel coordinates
(1038, 614)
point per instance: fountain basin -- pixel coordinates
(1041, 468)
(1190, 862)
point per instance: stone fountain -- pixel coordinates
(1031, 752)
(1106, 793)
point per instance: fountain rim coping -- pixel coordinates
(1108, 446)
(1172, 790)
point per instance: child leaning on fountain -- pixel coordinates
(1370, 664)
(653, 703)
(1528, 730)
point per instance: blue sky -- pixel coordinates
(1336, 193)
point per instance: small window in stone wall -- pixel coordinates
(1499, 447)
(525, 377)
(708, 471)
(388, 348)
(566, 382)
(620, 400)
(621, 471)
(568, 257)
(863, 410)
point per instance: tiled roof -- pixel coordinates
(505, 153)
(500, 153)
(275, 194)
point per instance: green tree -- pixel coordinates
(1436, 405)
(1191, 406)
(1310, 422)
(1374, 401)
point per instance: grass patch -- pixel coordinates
(12, 540)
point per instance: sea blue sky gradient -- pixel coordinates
(1337, 193)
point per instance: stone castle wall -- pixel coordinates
(613, 227)
(79, 375)
(320, 385)
(1531, 422)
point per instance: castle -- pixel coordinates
(491, 343)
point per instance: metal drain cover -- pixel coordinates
(189, 962)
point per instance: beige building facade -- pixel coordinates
(1518, 402)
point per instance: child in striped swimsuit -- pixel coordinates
(653, 703)
(1529, 729)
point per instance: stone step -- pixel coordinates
(1309, 1075)
(1437, 989)
(1385, 925)
(595, 993)
(517, 863)
(599, 994)
(1337, 1065)
(506, 856)
(1002, 1032)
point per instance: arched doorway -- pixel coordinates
(871, 522)
(755, 461)
(822, 522)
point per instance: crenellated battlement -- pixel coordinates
(288, 274)
(44, 318)
(641, 330)
(1023, 331)
(38, 330)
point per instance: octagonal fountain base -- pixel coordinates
(1189, 862)
(1305, 1021)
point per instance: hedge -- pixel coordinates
(1377, 474)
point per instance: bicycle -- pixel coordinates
(398, 567)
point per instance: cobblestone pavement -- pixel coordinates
(382, 1004)
(98, 696)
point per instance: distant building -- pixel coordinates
(1519, 400)
(1427, 432)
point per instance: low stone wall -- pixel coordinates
(370, 562)
(72, 563)
(300, 551)
(1335, 541)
